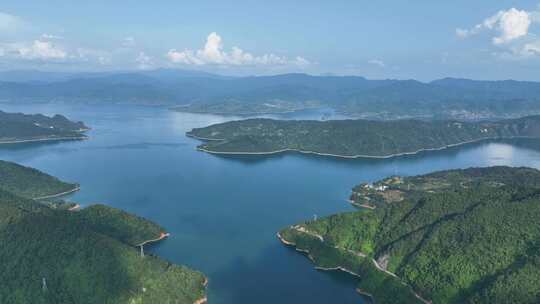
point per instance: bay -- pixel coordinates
(223, 212)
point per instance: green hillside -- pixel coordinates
(29, 182)
(58, 256)
(460, 236)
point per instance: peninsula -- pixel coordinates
(53, 254)
(19, 128)
(459, 236)
(354, 138)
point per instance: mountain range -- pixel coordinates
(202, 92)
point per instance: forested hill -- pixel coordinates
(29, 182)
(18, 127)
(354, 138)
(459, 236)
(55, 255)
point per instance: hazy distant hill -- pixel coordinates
(202, 92)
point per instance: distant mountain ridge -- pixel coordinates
(201, 92)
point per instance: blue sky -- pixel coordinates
(424, 40)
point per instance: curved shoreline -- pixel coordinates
(204, 299)
(203, 138)
(201, 301)
(58, 194)
(344, 269)
(199, 148)
(162, 236)
(18, 141)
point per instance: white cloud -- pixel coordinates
(301, 61)
(128, 42)
(511, 24)
(377, 62)
(213, 53)
(43, 50)
(144, 61)
(104, 60)
(83, 54)
(51, 37)
(9, 22)
(463, 33)
(531, 49)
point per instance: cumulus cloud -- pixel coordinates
(41, 49)
(511, 24)
(377, 62)
(213, 53)
(144, 61)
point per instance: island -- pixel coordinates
(19, 128)
(458, 236)
(54, 252)
(354, 138)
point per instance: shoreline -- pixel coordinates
(344, 269)
(18, 141)
(244, 114)
(199, 148)
(162, 236)
(203, 138)
(58, 194)
(201, 301)
(204, 299)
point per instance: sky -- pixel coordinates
(421, 39)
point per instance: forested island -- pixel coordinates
(18, 127)
(354, 138)
(52, 254)
(458, 236)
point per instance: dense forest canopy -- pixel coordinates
(56, 255)
(459, 236)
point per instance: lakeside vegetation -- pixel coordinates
(354, 138)
(458, 236)
(18, 127)
(53, 255)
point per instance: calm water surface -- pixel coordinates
(223, 213)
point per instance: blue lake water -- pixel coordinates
(223, 212)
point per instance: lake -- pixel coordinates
(223, 212)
